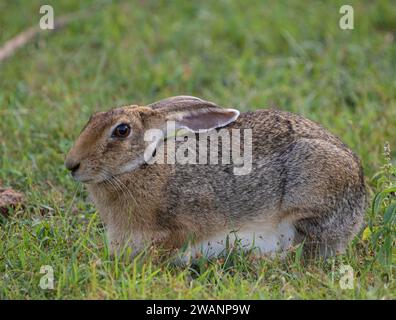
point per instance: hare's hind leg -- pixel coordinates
(327, 235)
(317, 242)
(327, 225)
(323, 193)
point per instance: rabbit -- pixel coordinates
(304, 186)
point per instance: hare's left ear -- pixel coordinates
(203, 119)
(194, 114)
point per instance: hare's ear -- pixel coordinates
(203, 119)
(178, 101)
(194, 114)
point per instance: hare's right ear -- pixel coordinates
(178, 101)
(193, 114)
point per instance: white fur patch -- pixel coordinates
(262, 240)
(132, 165)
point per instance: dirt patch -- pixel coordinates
(9, 198)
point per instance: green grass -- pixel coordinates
(244, 54)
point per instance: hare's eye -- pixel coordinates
(121, 131)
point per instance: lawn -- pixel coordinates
(242, 54)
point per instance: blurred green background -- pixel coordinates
(242, 54)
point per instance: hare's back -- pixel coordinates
(292, 158)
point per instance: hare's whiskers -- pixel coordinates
(121, 186)
(124, 187)
(109, 179)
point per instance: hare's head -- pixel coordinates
(114, 143)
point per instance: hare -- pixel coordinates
(302, 184)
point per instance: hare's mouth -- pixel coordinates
(84, 180)
(112, 181)
(89, 178)
(104, 178)
(104, 175)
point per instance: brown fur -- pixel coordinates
(300, 172)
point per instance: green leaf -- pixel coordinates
(366, 234)
(379, 197)
(390, 213)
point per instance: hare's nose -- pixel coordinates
(72, 166)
